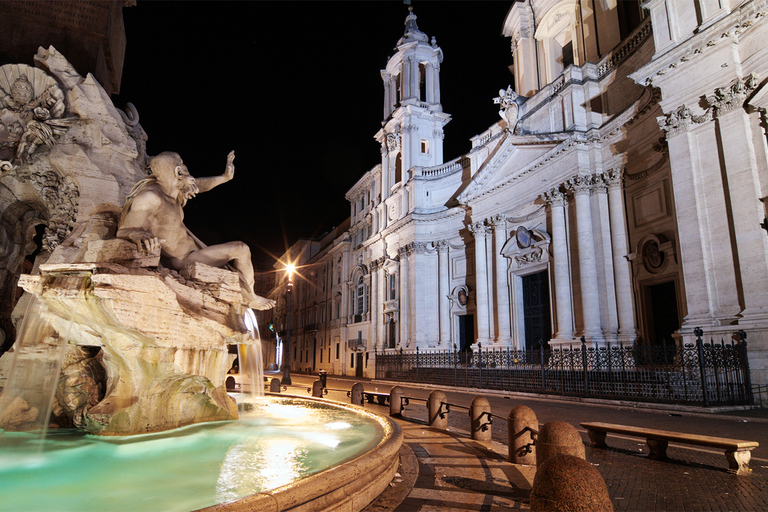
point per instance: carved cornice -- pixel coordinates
(526, 218)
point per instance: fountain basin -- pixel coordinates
(283, 453)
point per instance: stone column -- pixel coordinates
(375, 310)
(590, 299)
(604, 258)
(380, 326)
(404, 311)
(562, 271)
(444, 291)
(386, 78)
(744, 188)
(481, 283)
(503, 336)
(621, 265)
(415, 77)
(405, 88)
(430, 84)
(702, 218)
(436, 85)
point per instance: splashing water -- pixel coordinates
(39, 351)
(254, 357)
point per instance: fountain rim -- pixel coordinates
(357, 481)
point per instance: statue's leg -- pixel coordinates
(219, 255)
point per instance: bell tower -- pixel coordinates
(412, 128)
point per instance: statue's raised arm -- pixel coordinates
(206, 184)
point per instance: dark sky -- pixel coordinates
(295, 89)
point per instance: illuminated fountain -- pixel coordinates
(127, 354)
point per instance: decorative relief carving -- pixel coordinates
(527, 247)
(31, 112)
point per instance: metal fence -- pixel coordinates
(699, 373)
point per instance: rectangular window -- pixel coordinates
(337, 351)
(352, 361)
(424, 146)
(392, 287)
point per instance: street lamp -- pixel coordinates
(289, 270)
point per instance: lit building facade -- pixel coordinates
(620, 197)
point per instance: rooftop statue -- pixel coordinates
(153, 216)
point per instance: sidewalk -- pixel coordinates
(446, 470)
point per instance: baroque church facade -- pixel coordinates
(620, 198)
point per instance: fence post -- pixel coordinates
(745, 361)
(417, 364)
(455, 365)
(480, 364)
(543, 373)
(700, 346)
(584, 364)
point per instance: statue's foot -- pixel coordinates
(254, 301)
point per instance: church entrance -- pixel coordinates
(466, 332)
(536, 312)
(661, 313)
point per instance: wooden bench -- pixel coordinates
(381, 398)
(737, 451)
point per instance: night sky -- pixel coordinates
(295, 89)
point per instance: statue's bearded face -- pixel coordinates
(185, 182)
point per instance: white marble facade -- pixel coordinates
(620, 197)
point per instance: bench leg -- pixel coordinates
(738, 462)
(658, 448)
(597, 438)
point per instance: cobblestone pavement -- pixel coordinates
(456, 473)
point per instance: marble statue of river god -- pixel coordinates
(153, 217)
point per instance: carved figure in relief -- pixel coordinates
(153, 217)
(28, 121)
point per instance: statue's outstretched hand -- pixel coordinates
(229, 172)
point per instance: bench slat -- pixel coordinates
(650, 433)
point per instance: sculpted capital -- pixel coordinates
(554, 197)
(579, 184)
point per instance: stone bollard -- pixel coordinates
(274, 385)
(523, 426)
(317, 389)
(437, 409)
(480, 419)
(569, 483)
(357, 393)
(396, 401)
(558, 437)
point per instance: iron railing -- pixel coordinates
(698, 373)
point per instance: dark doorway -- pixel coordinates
(536, 312)
(661, 311)
(466, 332)
(359, 364)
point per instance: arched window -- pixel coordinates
(557, 36)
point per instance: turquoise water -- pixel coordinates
(275, 442)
